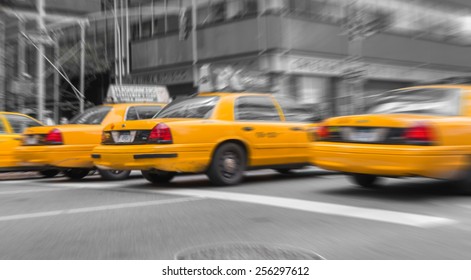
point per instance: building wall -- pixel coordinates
(294, 35)
(73, 6)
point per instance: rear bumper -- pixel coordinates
(65, 156)
(175, 158)
(398, 161)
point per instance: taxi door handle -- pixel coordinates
(247, 128)
(296, 128)
(18, 139)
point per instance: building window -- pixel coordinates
(156, 26)
(218, 11)
(311, 90)
(146, 29)
(135, 31)
(256, 108)
(172, 23)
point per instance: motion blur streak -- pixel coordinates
(94, 209)
(408, 219)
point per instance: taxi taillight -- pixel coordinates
(160, 134)
(54, 137)
(420, 134)
(322, 132)
(106, 137)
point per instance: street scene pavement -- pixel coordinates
(312, 210)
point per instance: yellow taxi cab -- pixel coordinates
(68, 146)
(11, 127)
(420, 131)
(217, 133)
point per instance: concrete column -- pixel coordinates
(40, 62)
(82, 66)
(21, 74)
(2, 64)
(56, 81)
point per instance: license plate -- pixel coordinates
(126, 137)
(370, 135)
(31, 140)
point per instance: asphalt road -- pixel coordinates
(311, 211)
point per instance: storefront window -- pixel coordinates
(311, 90)
(312, 94)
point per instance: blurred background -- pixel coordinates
(58, 57)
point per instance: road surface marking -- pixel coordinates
(96, 208)
(387, 216)
(30, 191)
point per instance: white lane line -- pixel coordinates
(31, 191)
(403, 218)
(97, 208)
(409, 219)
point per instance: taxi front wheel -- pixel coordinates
(76, 173)
(364, 180)
(158, 176)
(228, 165)
(112, 175)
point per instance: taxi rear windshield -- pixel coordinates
(199, 107)
(426, 101)
(93, 115)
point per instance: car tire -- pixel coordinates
(364, 180)
(114, 175)
(462, 182)
(76, 173)
(158, 176)
(227, 165)
(49, 173)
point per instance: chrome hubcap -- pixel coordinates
(229, 164)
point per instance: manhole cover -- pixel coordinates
(246, 252)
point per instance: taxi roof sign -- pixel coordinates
(137, 94)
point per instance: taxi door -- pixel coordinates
(8, 142)
(272, 141)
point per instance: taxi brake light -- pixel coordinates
(419, 133)
(54, 137)
(161, 134)
(323, 132)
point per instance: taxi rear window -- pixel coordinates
(199, 107)
(93, 115)
(142, 112)
(426, 101)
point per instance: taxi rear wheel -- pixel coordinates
(76, 173)
(158, 176)
(228, 165)
(462, 182)
(49, 173)
(112, 175)
(364, 180)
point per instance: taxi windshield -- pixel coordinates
(93, 115)
(426, 101)
(199, 107)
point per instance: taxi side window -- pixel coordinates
(19, 123)
(142, 112)
(256, 108)
(131, 114)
